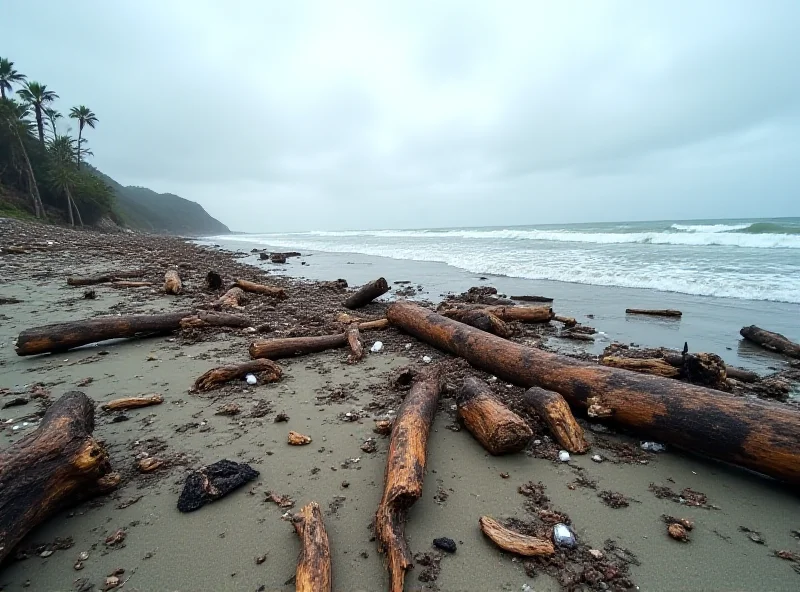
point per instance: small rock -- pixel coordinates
(596, 553)
(597, 458)
(537, 442)
(563, 456)
(298, 439)
(427, 359)
(345, 484)
(78, 565)
(251, 379)
(111, 583)
(678, 532)
(383, 427)
(83, 556)
(116, 538)
(261, 559)
(46, 553)
(148, 465)
(445, 544)
(563, 536)
(653, 447)
(504, 475)
(376, 347)
(369, 445)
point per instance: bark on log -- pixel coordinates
(494, 425)
(213, 319)
(271, 291)
(658, 313)
(287, 347)
(552, 407)
(132, 402)
(64, 336)
(314, 563)
(524, 314)
(367, 293)
(758, 435)
(172, 282)
(356, 347)
(104, 278)
(771, 341)
(405, 470)
(514, 542)
(233, 298)
(268, 370)
(654, 366)
(481, 319)
(51, 468)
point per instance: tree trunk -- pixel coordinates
(481, 319)
(39, 122)
(271, 291)
(77, 211)
(110, 276)
(356, 347)
(367, 293)
(51, 468)
(37, 199)
(553, 409)
(314, 563)
(287, 347)
(80, 140)
(658, 313)
(132, 403)
(172, 282)
(268, 370)
(494, 425)
(759, 435)
(514, 542)
(233, 298)
(64, 336)
(771, 341)
(405, 470)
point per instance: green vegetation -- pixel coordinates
(49, 169)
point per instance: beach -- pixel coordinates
(216, 547)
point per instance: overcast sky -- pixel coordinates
(339, 115)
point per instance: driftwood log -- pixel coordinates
(555, 411)
(657, 313)
(172, 282)
(758, 435)
(346, 320)
(287, 347)
(514, 542)
(133, 402)
(367, 293)
(568, 321)
(271, 291)
(494, 425)
(532, 298)
(313, 572)
(523, 314)
(65, 336)
(233, 298)
(268, 371)
(481, 319)
(356, 346)
(701, 368)
(741, 374)
(104, 278)
(654, 366)
(771, 341)
(56, 465)
(405, 470)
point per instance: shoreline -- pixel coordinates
(215, 547)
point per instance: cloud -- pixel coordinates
(359, 114)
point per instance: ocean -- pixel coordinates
(750, 259)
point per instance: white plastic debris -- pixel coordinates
(427, 359)
(376, 347)
(563, 536)
(15, 428)
(563, 456)
(597, 458)
(251, 379)
(653, 447)
(408, 346)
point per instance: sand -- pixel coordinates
(215, 547)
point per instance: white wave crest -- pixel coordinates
(711, 228)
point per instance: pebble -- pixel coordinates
(46, 553)
(84, 555)
(427, 359)
(563, 456)
(251, 379)
(445, 544)
(376, 347)
(596, 553)
(597, 458)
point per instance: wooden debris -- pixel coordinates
(514, 542)
(405, 471)
(568, 321)
(287, 347)
(270, 291)
(481, 319)
(494, 425)
(267, 370)
(654, 366)
(298, 439)
(104, 278)
(133, 402)
(313, 572)
(51, 468)
(150, 464)
(771, 341)
(233, 298)
(72, 334)
(741, 374)
(523, 314)
(128, 284)
(658, 313)
(356, 346)
(678, 532)
(367, 293)
(172, 282)
(552, 407)
(532, 298)
(759, 435)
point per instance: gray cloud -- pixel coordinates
(291, 116)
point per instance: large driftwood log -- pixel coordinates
(233, 298)
(771, 341)
(64, 336)
(356, 346)
(172, 282)
(367, 293)
(494, 425)
(524, 314)
(271, 291)
(481, 319)
(759, 435)
(314, 563)
(133, 402)
(555, 411)
(104, 278)
(268, 371)
(51, 468)
(658, 313)
(514, 542)
(405, 470)
(287, 347)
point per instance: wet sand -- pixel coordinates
(215, 547)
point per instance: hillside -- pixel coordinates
(144, 209)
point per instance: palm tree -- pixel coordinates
(13, 119)
(63, 173)
(53, 115)
(84, 116)
(8, 76)
(37, 96)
